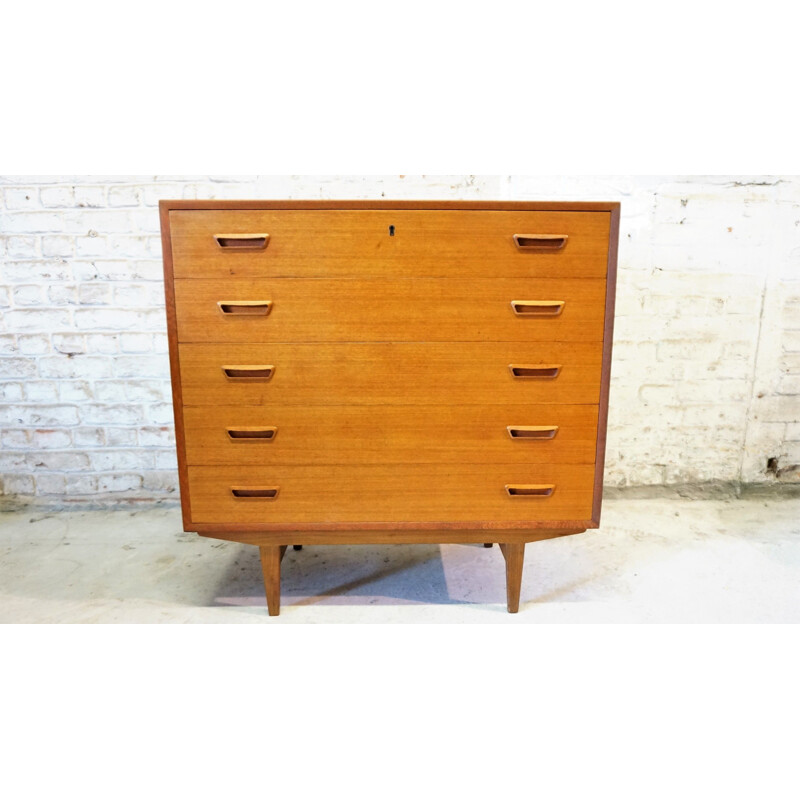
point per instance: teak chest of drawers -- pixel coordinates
(374, 372)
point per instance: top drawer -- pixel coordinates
(389, 243)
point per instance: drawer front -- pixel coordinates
(435, 309)
(387, 243)
(298, 435)
(393, 493)
(400, 373)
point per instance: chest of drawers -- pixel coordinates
(377, 372)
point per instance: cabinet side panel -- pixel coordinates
(605, 375)
(174, 363)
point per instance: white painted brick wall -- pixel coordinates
(706, 371)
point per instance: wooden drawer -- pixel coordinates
(435, 309)
(390, 493)
(390, 373)
(358, 243)
(259, 436)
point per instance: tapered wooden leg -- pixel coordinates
(514, 554)
(271, 556)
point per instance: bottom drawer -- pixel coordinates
(390, 493)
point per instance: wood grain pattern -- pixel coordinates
(390, 493)
(393, 533)
(389, 434)
(174, 364)
(605, 378)
(437, 309)
(356, 244)
(396, 373)
(514, 555)
(391, 363)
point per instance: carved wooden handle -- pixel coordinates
(532, 431)
(242, 241)
(245, 308)
(530, 489)
(252, 434)
(255, 492)
(537, 308)
(255, 372)
(540, 371)
(540, 242)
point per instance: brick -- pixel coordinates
(162, 481)
(136, 342)
(163, 436)
(118, 483)
(50, 483)
(118, 319)
(58, 246)
(61, 461)
(31, 222)
(37, 319)
(80, 366)
(98, 414)
(69, 343)
(121, 437)
(142, 295)
(57, 197)
(74, 391)
(33, 344)
(147, 391)
(17, 367)
(90, 196)
(141, 367)
(5, 297)
(105, 460)
(103, 343)
(8, 346)
(11, 392)
(11, 485)
(91, 245)
(121, 196)
(166, 459)
(160, 414)
(101, 222)
(89, 437)
(40, 272)
(23, 246)
(41, 392)
(47, 439)
(38, 415)
(62, 294)
(110, 391)
(80, 484)
(94, 294)
(20, 198)
(27, 295)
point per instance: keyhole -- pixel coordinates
(391, 230)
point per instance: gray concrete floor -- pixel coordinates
(653, 560)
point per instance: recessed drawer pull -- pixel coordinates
(540, 371)
(530, 489)
(242, 241)
(537, 308)
(245, 308)
(252, 434)
(261, 372)
(255, 493)
(539, 242)
(532, 431)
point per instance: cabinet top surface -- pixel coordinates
(410, 205)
